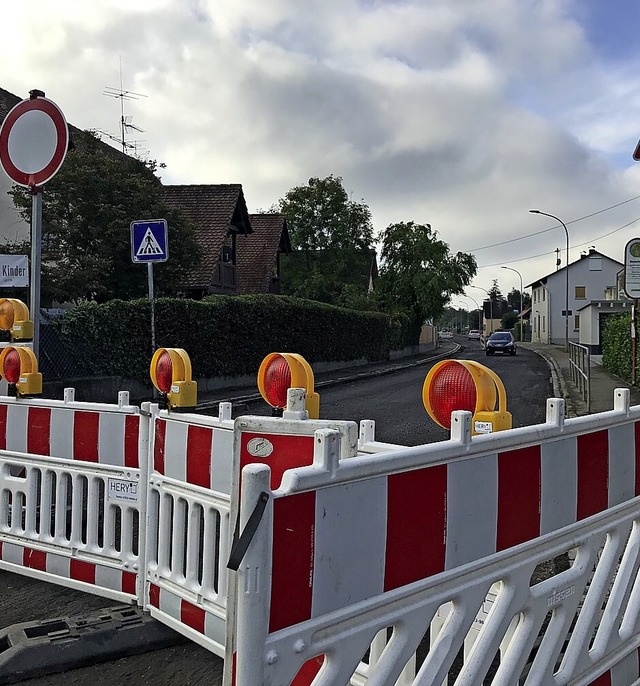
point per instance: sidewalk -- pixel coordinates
(602, 387)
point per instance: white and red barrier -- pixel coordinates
(346, 551)
(73, 493)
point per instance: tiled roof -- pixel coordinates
(257, 253)
(7, 102)
(216, 210)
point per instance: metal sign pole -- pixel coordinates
(634, 341)
(36, 259)
(153, 307)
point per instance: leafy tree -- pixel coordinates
(509, 320)
(332, 238)
(419, 274)
(321, 216)
(87, 210)
(513, 298)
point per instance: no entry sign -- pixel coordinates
(33, 141)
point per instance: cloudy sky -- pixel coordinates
(463, 114)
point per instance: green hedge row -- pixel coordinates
(224, 335)
(616, 346)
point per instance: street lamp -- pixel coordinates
(478, 306)
(490, 303)
(566, 292)
(521, 287)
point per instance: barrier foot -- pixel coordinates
(48, 646)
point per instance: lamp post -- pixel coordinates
(566, 292)
(490, 303)
(521, 287)
(478, 306)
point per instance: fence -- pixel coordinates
(510, 557)
(580, 370)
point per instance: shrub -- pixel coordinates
(616, 345)
(224, 335)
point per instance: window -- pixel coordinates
(543, 322)
(544, 294)
(581, 292)
(576, 322)
(595, 264)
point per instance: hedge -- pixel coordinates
(616, 346)
(224, 335)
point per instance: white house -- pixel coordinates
(588, 279)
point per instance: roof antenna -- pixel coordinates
(125, 121)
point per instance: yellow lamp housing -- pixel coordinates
(14, 317)
(170, 372)
(466, 385)
(280, 371)
(19, 366)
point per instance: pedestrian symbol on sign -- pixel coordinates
(149, 245)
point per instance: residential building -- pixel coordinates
(589, 278)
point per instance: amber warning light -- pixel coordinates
(466, 385)
(170, 373)
(14, 318)
(281, 371)
(19, 366)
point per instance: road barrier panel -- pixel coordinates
(304, 551)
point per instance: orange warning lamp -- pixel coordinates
(14, 317)
(466, 385)
(170, 372)
(281, 371)
(19, 366)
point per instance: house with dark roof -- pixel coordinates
(219, 213)
(259, 254)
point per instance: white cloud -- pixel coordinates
(454, 112)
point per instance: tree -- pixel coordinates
(87, 210)
(419, 274)
(332, 238)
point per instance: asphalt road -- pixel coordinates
(393, 401)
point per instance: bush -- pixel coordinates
(224, 335)
(616, 345)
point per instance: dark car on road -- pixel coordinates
(500, 342)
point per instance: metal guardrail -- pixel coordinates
(580, 370)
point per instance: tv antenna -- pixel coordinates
(126, 124)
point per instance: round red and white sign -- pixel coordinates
(33, 141)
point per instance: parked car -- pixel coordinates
(445, 334)
(500, 342)
(474, 335)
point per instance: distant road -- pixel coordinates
(393, 401)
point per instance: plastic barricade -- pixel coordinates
(349, 548)
(72, 493)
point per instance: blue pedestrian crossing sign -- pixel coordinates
(149, 241)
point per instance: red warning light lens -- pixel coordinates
(11, 370)
(277, 381)
(452, 388)
(164, 372)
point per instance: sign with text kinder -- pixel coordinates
(14, 271)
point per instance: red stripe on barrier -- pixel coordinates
(82, 571)
(636, 427)
(279, 451)
(34, 559)
(593, 473)
(416, 501)
(39, 431)
(308, 671)
(158, 446)
(519, 496)
(192, 616)
(85, 436)
(199, 439)
(131, 431)
(292, 574)
(154, 595)
(3, 427)
(602, 680)
(129, 583)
